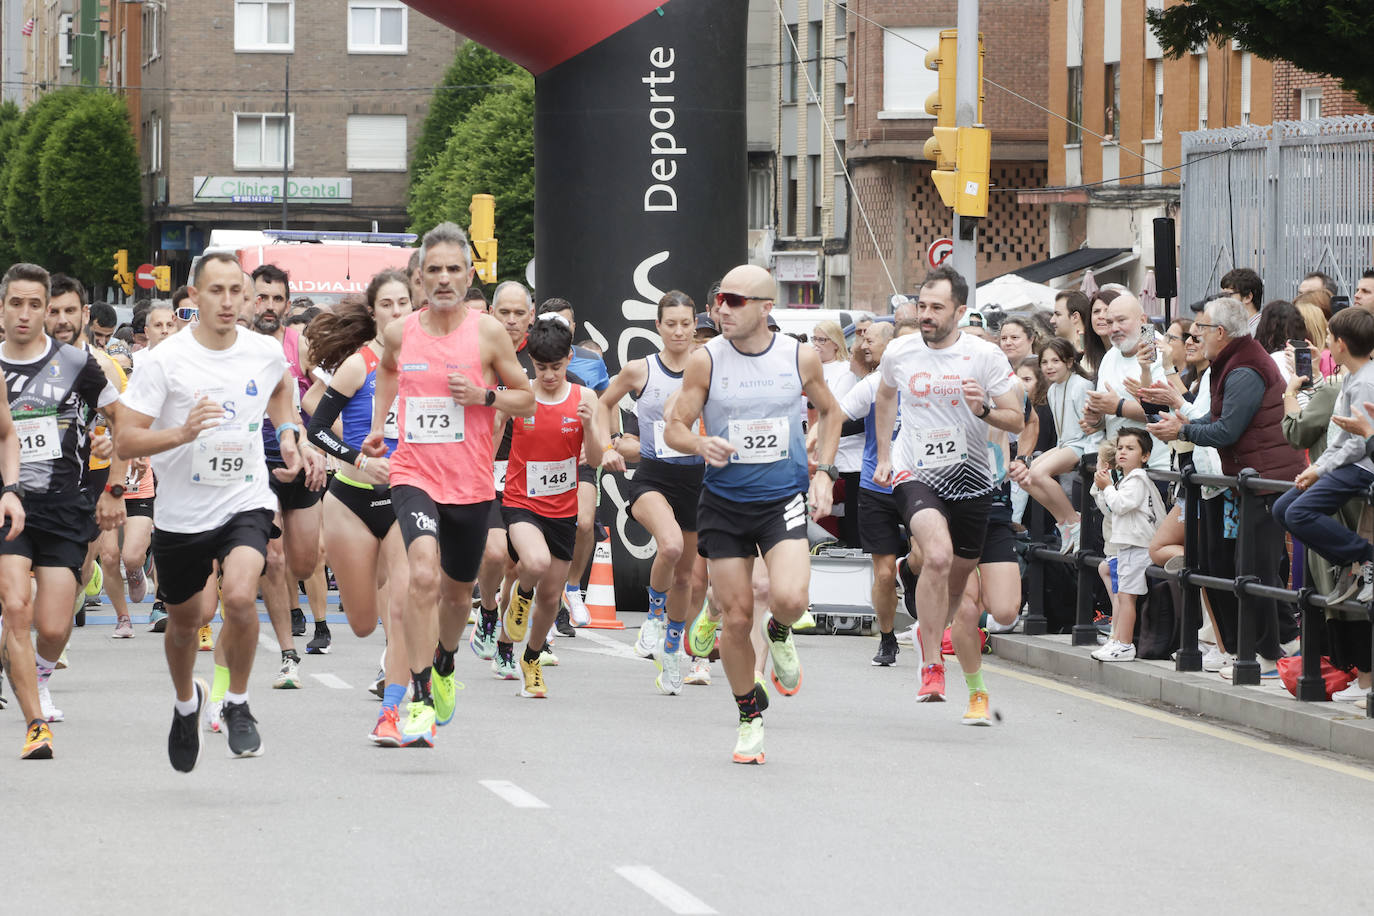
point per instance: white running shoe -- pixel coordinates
(669, 680)
(1115, 651)
(1215, 660)
(49, 712)
(700, 673)
(577, 608)
(908, 636)
(214, 716)
(1350, 694)
(651, 636)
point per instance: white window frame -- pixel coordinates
(152, 32)
(1245, 70)
(263, 46)
(906, 81)
(354, 47)
(64, 40)
(154, 139)
(1202, 91)
(1306, 97)
(402, 162)
(290, 141)
(1159, 99)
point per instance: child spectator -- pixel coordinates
(1131, 511)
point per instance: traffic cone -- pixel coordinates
(601, 589)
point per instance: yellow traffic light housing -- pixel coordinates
(941, 59)
(162, 278)
(482, 232)
(971, 177)
(960, 153)
(122, 277)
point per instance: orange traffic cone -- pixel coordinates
(601, 589)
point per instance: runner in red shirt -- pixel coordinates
(540, 508)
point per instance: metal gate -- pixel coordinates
(1285, 199)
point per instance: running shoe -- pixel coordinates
(669, 680)
(387, 732)
(805, 621)
(483, 639)
(214, 716)
(1068, 536)
(124, 628)
(1115, 651)
(761, 692)
(97, 582)
(378, 688)
(419, 729)
(701, 636)
(297, 622)
(977, 712)
(289, 677)
(533, 673)
(908, 580)
(320, 644)
(49, 712)
(932, 684)
(137, 583)
(546, 656)
(242, 731)
(787, 670)
(183, 742)
(887, 650)
(517, 620)
(37, 742)
(503, 665)
(61, 661)
(749, 742)
(651, 635)
(699, 674)
(563, 624)
(577, 608)
(444, 689)
(207, 638)
(157, 618)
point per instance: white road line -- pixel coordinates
(606, 645)
(268, 641)
(512, 793)
(331, 680)
(675, 897)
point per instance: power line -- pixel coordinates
(103, 87)
(1119, 178)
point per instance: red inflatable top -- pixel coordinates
(537, 34)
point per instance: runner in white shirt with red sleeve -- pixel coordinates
(954, 386)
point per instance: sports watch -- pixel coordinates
(115, 489)
(830, 469)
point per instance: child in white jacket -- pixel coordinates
(1132, 511)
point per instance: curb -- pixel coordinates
(1337, 727)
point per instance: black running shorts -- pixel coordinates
(679, 484)
(734, 529)
(293, 494)
(184, 561)
(371, 505)
(461, 530)
(967, 518)
(559, 533)
(881, 527)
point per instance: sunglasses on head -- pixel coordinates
(735, 300)
(186, 314)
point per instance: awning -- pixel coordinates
(1068, 263)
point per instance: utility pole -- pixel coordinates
(965, 255)
(286, 144)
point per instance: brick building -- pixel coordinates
(888, 127)
(214, 126)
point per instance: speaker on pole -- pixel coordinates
(1166, 263)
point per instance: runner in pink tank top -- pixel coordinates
(445, 364)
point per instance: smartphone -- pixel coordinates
(1117, 476)
(1148, 338)
(1302, 361)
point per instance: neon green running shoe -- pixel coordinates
(787, 669)
(749, 743)
(97, 582)
(445, 692)
(418, 730)
(701, 638)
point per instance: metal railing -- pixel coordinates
(1246, 586)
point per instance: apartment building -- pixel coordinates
(47, 49)
(216, 129)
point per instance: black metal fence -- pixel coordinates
(1246, 586)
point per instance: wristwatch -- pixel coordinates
(115, 489)
(986, 410)
(14, 488)
(491, 397)
(830, 469)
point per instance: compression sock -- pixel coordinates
(657, 600)
(748, 706)
(44, 668)
(778, 632)
(531, 654)
(419, 683)
(489, 615)
(975, 682)
(393, 696)
(443, 660)
(672, 639)
(220, 685)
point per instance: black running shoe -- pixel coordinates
(183, 742)
(297, 622)
(242, 731)
(909, 580)
(761, 696)
(887, 650)
(158, 618)
(563, 623)
(320, 644)
(80, 619)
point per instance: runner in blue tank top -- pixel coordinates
(747, 386)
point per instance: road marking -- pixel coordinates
(268, 641)
(512, 793)
(605, 645)
(331, 680)
(1201, 728)
(673, 896)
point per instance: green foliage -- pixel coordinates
(23, 219)
(473, 66)
(1332, 37)
(9, 131)
(90, 188)
(490, 152)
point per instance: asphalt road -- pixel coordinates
(608, 798)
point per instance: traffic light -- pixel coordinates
(482, 232)
(961, 154)
(122, 277)
(162, 277)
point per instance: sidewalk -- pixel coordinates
(1337, 727)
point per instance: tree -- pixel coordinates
(91, 189)
(1332, 37)
(9, 131)
(473, 67)
(491, 151)
(24, 225)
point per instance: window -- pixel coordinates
(1075, 106)
(1310, 103)
(906, 81)
(152, 32)
(1202, 92)
(64, 40)
(839, 216)
(259, 140)
(376, 27)
(814, 186)
(264, 25)
(813, 56)
(789, 63)
(377, 143)
(1111, 115)
(760, 183)
(1111, 31)
(154, 140)
(789, 168)
(841, 20)
(1245, 87)
(1159, 100)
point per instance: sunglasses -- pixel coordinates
(1190, 337)
(735, 300)
(186, 314)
